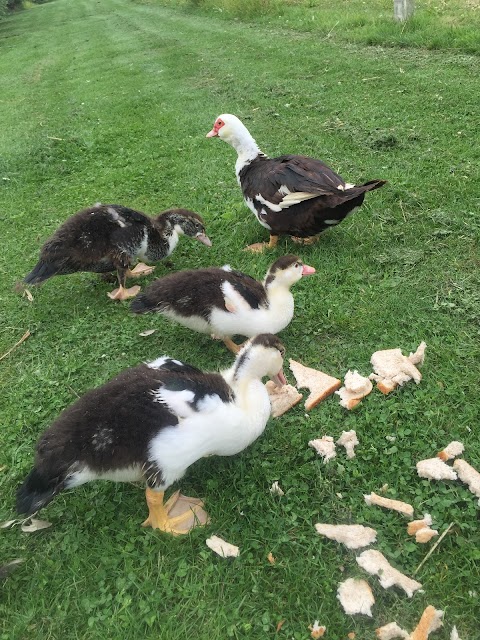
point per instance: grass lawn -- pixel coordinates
(110, 101)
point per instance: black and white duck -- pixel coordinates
(223, 302)
(151, 423)
(290, 195)
(110, 237)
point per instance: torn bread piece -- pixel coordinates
(276, 489)
(325, 447)
(317, 630)
(392, 368)
(391, 631)
(451, 451)
(320, 384)
(435, 469)
(353, 536)
(349, 440)
(282, 398)
(388, 503)
(375, 563)
(469, 475)
(356, 596)
(421, 529)
(454, 634)
(355, 387)
(430, 621)
(222, 548)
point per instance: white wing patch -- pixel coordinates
(158, 363)
(226, 267)
(234, 302)
(295, 198)
(270, 205)
(116, 217)
(179, 402)
(209, 403)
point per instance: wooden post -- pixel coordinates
(403, 9)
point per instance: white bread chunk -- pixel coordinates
(355, 387)
(388, 503)
(469, 475)
(430, 621)
(353, 536)
(320, 384)
(349, 440)
(325, 447)
(356, 597)
(451, 451)
(375, 563)
(435, 469)
(421, 529)
(454, 635)
(282, 398)
(425, 535)
(276, 489)
(391, 631)
(222, 548)
(392, 368)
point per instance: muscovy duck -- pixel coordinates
(152, 422)
(110, 237)
(224, 302)
(290, 195)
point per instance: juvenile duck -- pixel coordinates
(224, 302)
(152, 422)
(110, 237)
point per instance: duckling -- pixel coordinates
(152, 422)
(109, 237)
(224, 302)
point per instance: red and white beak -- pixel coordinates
(216, 128)
(307, 271)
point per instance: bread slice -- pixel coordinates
(282, 398)
(320, 384)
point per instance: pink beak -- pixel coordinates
(204, 239)
(279, 380)
(212, 133)
(307, 271)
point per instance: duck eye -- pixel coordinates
(297, 264)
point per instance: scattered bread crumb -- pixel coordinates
(454, 635)
(222, 548)
(416, 525)
(375, 563)
(325, 447)
(356, 597)
(353, 536)
(351, 635)
(392, 368)
(435, 469)
(355, 387)
(421, 529)
(430, 621)
(276, 489)
(320, 384)
(282, 398)
(388, 503)
(451, 451)
(425, 535)
(469, 475)
(271, 558)
(349, 440)
(391, 631)
(317, 631)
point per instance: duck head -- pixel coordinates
(261, 356)
(229, 128)
(286, 271)
(189, 223)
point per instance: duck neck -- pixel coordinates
(245, 146)
(280, 299)
(167, 234)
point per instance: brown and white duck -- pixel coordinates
(224, 302)
(110, 237)
(290, 195)
(151, 422)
